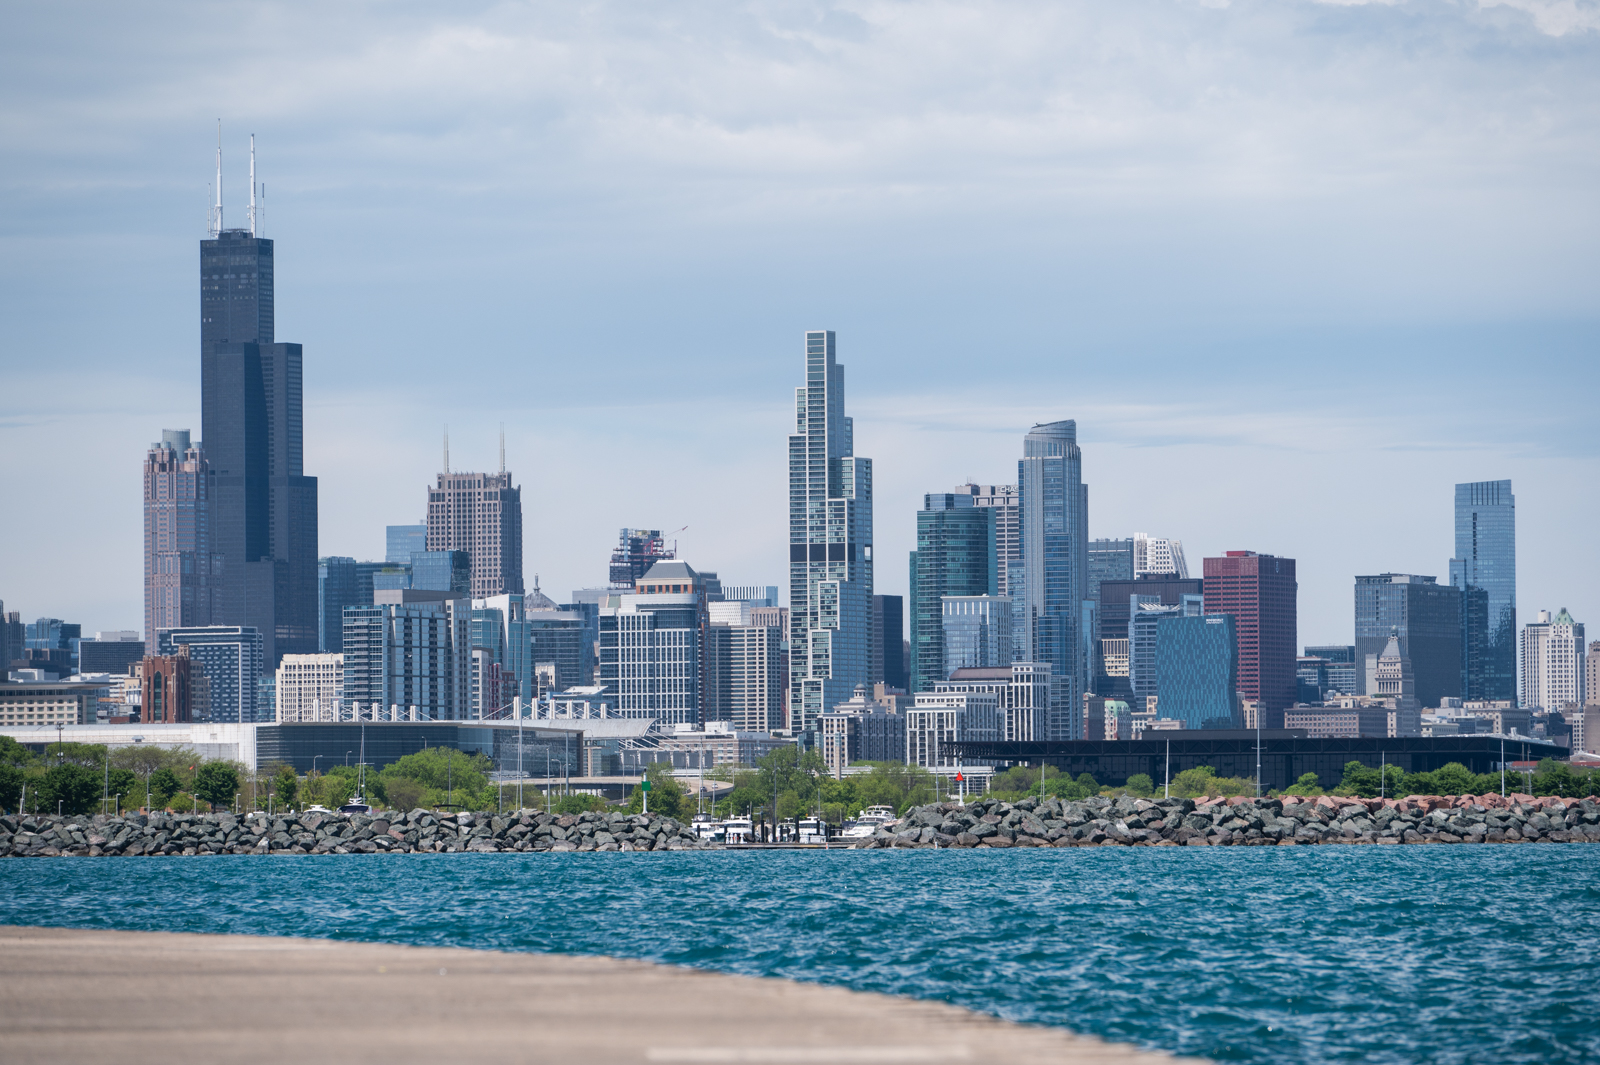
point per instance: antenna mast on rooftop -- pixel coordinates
(447, 449)
(216, 210)
(252, 184)
(502, 448)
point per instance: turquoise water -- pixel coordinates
(1273, 954)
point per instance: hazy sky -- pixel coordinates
(1295, 268)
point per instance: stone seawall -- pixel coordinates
(1245, 822)
(420, 831)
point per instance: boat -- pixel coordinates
(869, 821)
(737, 830)
(813, 830)
(357, 805)
(704, 826)
(318, 808)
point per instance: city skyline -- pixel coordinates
(1232, 398)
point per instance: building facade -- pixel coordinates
(652, 645)
(1197, 670)
(939, 720)
(177, 536)
(1114, 613)
(232, 660)
(977, 631)
(1023, 691)
(888, 662)
(1484, 569)
(1425, 616)
(954, 557)
(1340, 666)
(830, 543)
(309, 688)
(860, 730)
(1390, 676)
(1260, 593)
(745, 676)
(411, 651)
(481, 514)
(1157, 557)
(400, 542)
(1056, 607)
(1144, 617)
(1006, 504)
(1553, 667)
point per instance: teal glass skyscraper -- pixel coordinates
(830, 544)
(1057, 608)
(955, 555)
(1485, 569)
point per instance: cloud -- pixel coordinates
(1555, 17)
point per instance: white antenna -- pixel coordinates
(447, 449)
(252, 184)
(502, 448)
(216, 211)
(263, 214)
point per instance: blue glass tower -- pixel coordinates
(1197, 670)
(1485, 569)
(1057, 608)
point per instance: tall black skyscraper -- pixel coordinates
(264, 508)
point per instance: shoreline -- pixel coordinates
(233, 998)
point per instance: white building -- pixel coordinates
(1153, 555)
(410, 650)
(310, 687)
(1552, 662)
(1389, 677)
(1023, 689)
(942, 718)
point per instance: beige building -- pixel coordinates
(1552, 662)
(47, 704)
(310, 687)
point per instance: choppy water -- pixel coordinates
(1305, 954)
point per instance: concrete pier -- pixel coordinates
(89, 996)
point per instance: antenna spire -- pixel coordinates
(502, 448)
(447, 449)
(216, 210)
(252, 184)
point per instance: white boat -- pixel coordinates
(813, 830)
(869, 821)
(357, 805)
(705, 826)
(737, 830)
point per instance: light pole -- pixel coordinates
(1166, 772)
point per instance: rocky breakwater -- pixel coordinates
(420, 831)
(1128, 821)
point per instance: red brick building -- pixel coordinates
(165, 689)
(1261, 593)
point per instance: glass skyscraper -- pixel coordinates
(1485, 570)
(1057, 608)
(830, 544)
(955, 555)
(1197, 670)
(1426, 616)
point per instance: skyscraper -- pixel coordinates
(177, 536)
(401, 541)
(1057, 609)
(955, 555)
(636, 551)
(1485, 569)
(830, 543)
(1425, 617)
(481, 514)
(1552, 662)
(1260, 593)
(1154, 555)
(264, 508)
(1003, 501)
(888, 641)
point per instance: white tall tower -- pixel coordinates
(830, 544)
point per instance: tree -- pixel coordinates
(1454, 779)
(1308, 784)
(285, 785)
(164, 784)
(69, 787)
(1141, 784)
(13, 753)
(403, 792)
(667, 796)
(120, 783)
(88, 755)
(216, 783)
(11, 781)
(579, 804)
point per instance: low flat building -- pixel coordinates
(46, 704)
(209, 739)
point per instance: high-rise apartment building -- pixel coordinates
(1197, 670)
(309, 688)
(1260, 593)
(1553, 673)
(411, 651)
(230, 657)
(744, 676)
(955, 555)
(263, 507)
(1425, 616)
(636, 551)
(1159, 557)
(177, 536)
(888, 664)
(1021, 688)
(402, 541)
(940, 720)
(1006, 505)
(652, 645)
(830, 543)
(1057, 608)
(1485, 570)
(481, 514)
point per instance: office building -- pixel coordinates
(1114, 614)
(410, 651)
(309, 688)
(1022, 691)
(51, 644)
(110, 652)
(402, 541)
(1006, 504)
(744, 675)
(560, 647)
(756, 595)
(1109, 560)
(1426, 617)
(636, 551)
(37, 704)
(977, 631)
(1485, 570)
(177, 536)
(1552, 662)
(652, 645)
(1591, 677)
(442, 571)
(1311, 679)
(1340, 667)
(830, 543)
(13, 638)
(1144, 614)
(1197, 670)
(1390, 676)
(336, 590)
(1260, 593)
(232, 659)
(888, 662)
(1157, 557)
(939, 720)
(860, 730)
(1056, 607)
(954, 556)
(481, 514)
(263, 506)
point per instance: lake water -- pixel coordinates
(1272, 954)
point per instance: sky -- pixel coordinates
(1295, 268)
